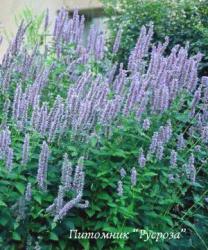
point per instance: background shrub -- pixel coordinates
(181, 20)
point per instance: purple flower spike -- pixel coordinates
(133, 176)
(122, 173)
(160, 150)
(117, 41)
(120, 188)
(46, 20)
(60, 199)
(9, 159)
(154, 142)
(43, 167)
(146, 124)
(191, 172)
(78, 182)
(25, 150)
(28, 192)
(66, 177)
(204, 134)
(142, 159)
(173, 158)
(69, 205)
(181, 144)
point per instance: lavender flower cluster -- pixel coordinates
(142, 86)
(149, 84)
(74, 183)
(159, 139)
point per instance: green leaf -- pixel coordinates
(168, 220)
(16, 225)
(149, 174)
(104, 196)
(2, 204)
(85, 243)
(70, 224)
(3, 221)
(53, 225)
(102, 173)
(90, 213)
(16, 236)
(110, 229)
(38, 199)
(53, 236)
(20, 187)
(119, 153)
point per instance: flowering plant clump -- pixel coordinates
(88, 144)
(183, 21)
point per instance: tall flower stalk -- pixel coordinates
(43, 167)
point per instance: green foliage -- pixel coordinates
(154, 204)
(35, 33)
(181, 20)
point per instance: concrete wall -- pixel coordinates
(83, 4)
